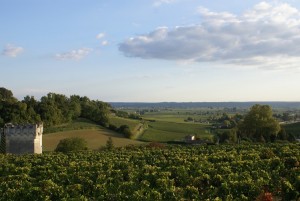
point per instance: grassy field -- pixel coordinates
(95, 135)
(178, 115)
(118, 121)
(167, 131)
(78, 124)
(95, 138)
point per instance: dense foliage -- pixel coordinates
(243, 172)
(71, 144)
(52, 109)
(124, 114)
(259, 124)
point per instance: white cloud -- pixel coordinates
(74, 54)
(12, 50)
(104, 43)
(100, 35)
(160, 2)
(265, 36)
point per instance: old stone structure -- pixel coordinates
(22, 139)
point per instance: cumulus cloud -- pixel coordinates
(266, 35)
(12, 50)
(74, 54)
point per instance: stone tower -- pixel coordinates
(23, 139)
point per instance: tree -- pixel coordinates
(109, 144)
(126, 131)
(226, 123)
(71, 144)
(96, 111)
(5, 94)
(229, 136)
(259, 124)
(75, 106)
(282, 135)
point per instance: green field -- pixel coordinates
(162, 131)
(78, 124)
(95, 138)
(119, 121)
(165, 125)
(95, 135)
(175, 115)
(158, 126)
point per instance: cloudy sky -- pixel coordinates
(152, 50)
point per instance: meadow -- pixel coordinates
(178, 115)
(95, 135)
(119, 121)
(166, 125)
(78, 124)
(162, 131)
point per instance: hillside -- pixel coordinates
(95, 135)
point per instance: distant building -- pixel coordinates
(23, 139)
(192, 140)
(189, 138)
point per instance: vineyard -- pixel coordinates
(227, 172)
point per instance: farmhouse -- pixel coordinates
(189, 138)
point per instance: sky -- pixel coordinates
(152, 50)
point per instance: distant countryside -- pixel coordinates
(153, 151)
(157, 100)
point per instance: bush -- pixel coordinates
(71, 144)
(112, 127)
(126, 131)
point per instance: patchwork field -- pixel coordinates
(162, 131)
(158, 126)
(176, 115)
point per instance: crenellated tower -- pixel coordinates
(22, 139)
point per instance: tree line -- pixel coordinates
(52, 109)
(258, 125)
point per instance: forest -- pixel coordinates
(52, 109)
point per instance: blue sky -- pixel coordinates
(152, 50)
